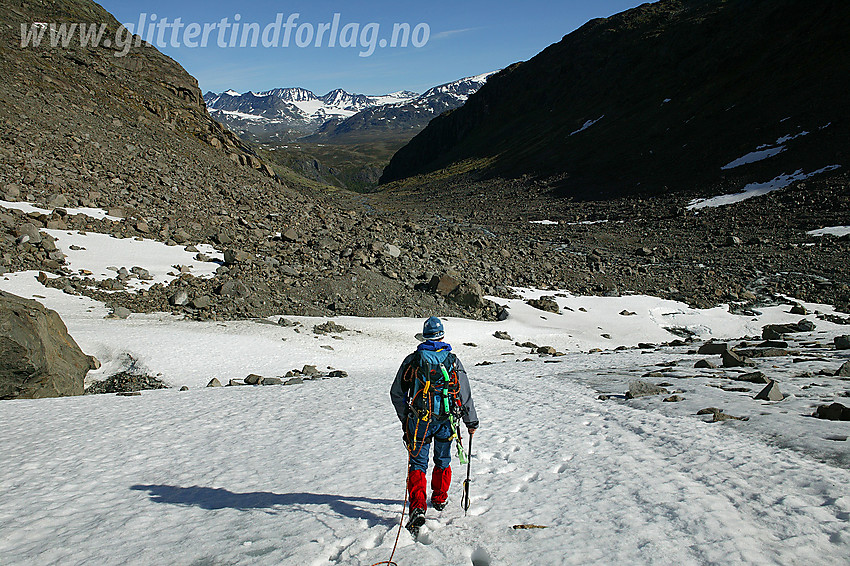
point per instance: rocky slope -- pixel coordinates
(78, 128)
(663, 97)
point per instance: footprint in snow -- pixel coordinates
(480, 557)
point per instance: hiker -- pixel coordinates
(430, 403)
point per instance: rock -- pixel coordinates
(502, 335)
(842, 342)
(214, 382)
(674, 399)
(705, 364)
(293, 381)
(799, 309)
(733, 360)
(734, 241)
(773, 344)
(776, 331)
(184, 388)
(627, 313)
(713, 348)
(338, 373)
(179, 299)
(312, 371)
(444, 284)
(37, 356)
(770, 393)
(752, 377)
(202, 302)
(763, 352)
(272, 381)
(639, 388)
(392, 251)
(232, 256)
(290, 235)
(547, 350)
(468, 294)
(253, 379)
(329, 327)
(844, 370)
(234, 288)
(128, 394)
(719, 416)
(57, 201)
(545, 303)
(120, 313)
(833, 412)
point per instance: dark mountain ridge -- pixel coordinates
(658, 97)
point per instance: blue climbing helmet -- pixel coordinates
(433, 329)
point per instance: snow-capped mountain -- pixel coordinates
(291, 111)
(288, 113)
(404, 118)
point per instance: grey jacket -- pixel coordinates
(398, 394)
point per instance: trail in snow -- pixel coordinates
(315, 475)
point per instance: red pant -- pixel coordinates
(417, 485)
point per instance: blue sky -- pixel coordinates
(465, 38)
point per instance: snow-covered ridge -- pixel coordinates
(288, 106)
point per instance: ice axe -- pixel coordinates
(464, 499)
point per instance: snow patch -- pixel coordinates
(27, 207)
(753, 157)
(97, 253)
(757, 189)
(832, 231)
(586, 125)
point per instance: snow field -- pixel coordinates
(314, 473)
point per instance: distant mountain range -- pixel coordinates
(669, 96)
(285, 114)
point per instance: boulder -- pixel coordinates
(545, 303)
(502, 335)
(770, 393)
(733, 360)
(776, 331)
(214, 382)
(271, 381)
(842, 342)
(38, 358)
(833, 412)
(705, 364)
(179, 299)
(468, 294)
(752, 377)
(639, 388)
(444, 284)
(713, 348)
(844, 370)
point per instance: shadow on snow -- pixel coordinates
(213, 498)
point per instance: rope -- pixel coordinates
(390, 562)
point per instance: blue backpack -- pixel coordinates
(433, 390)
